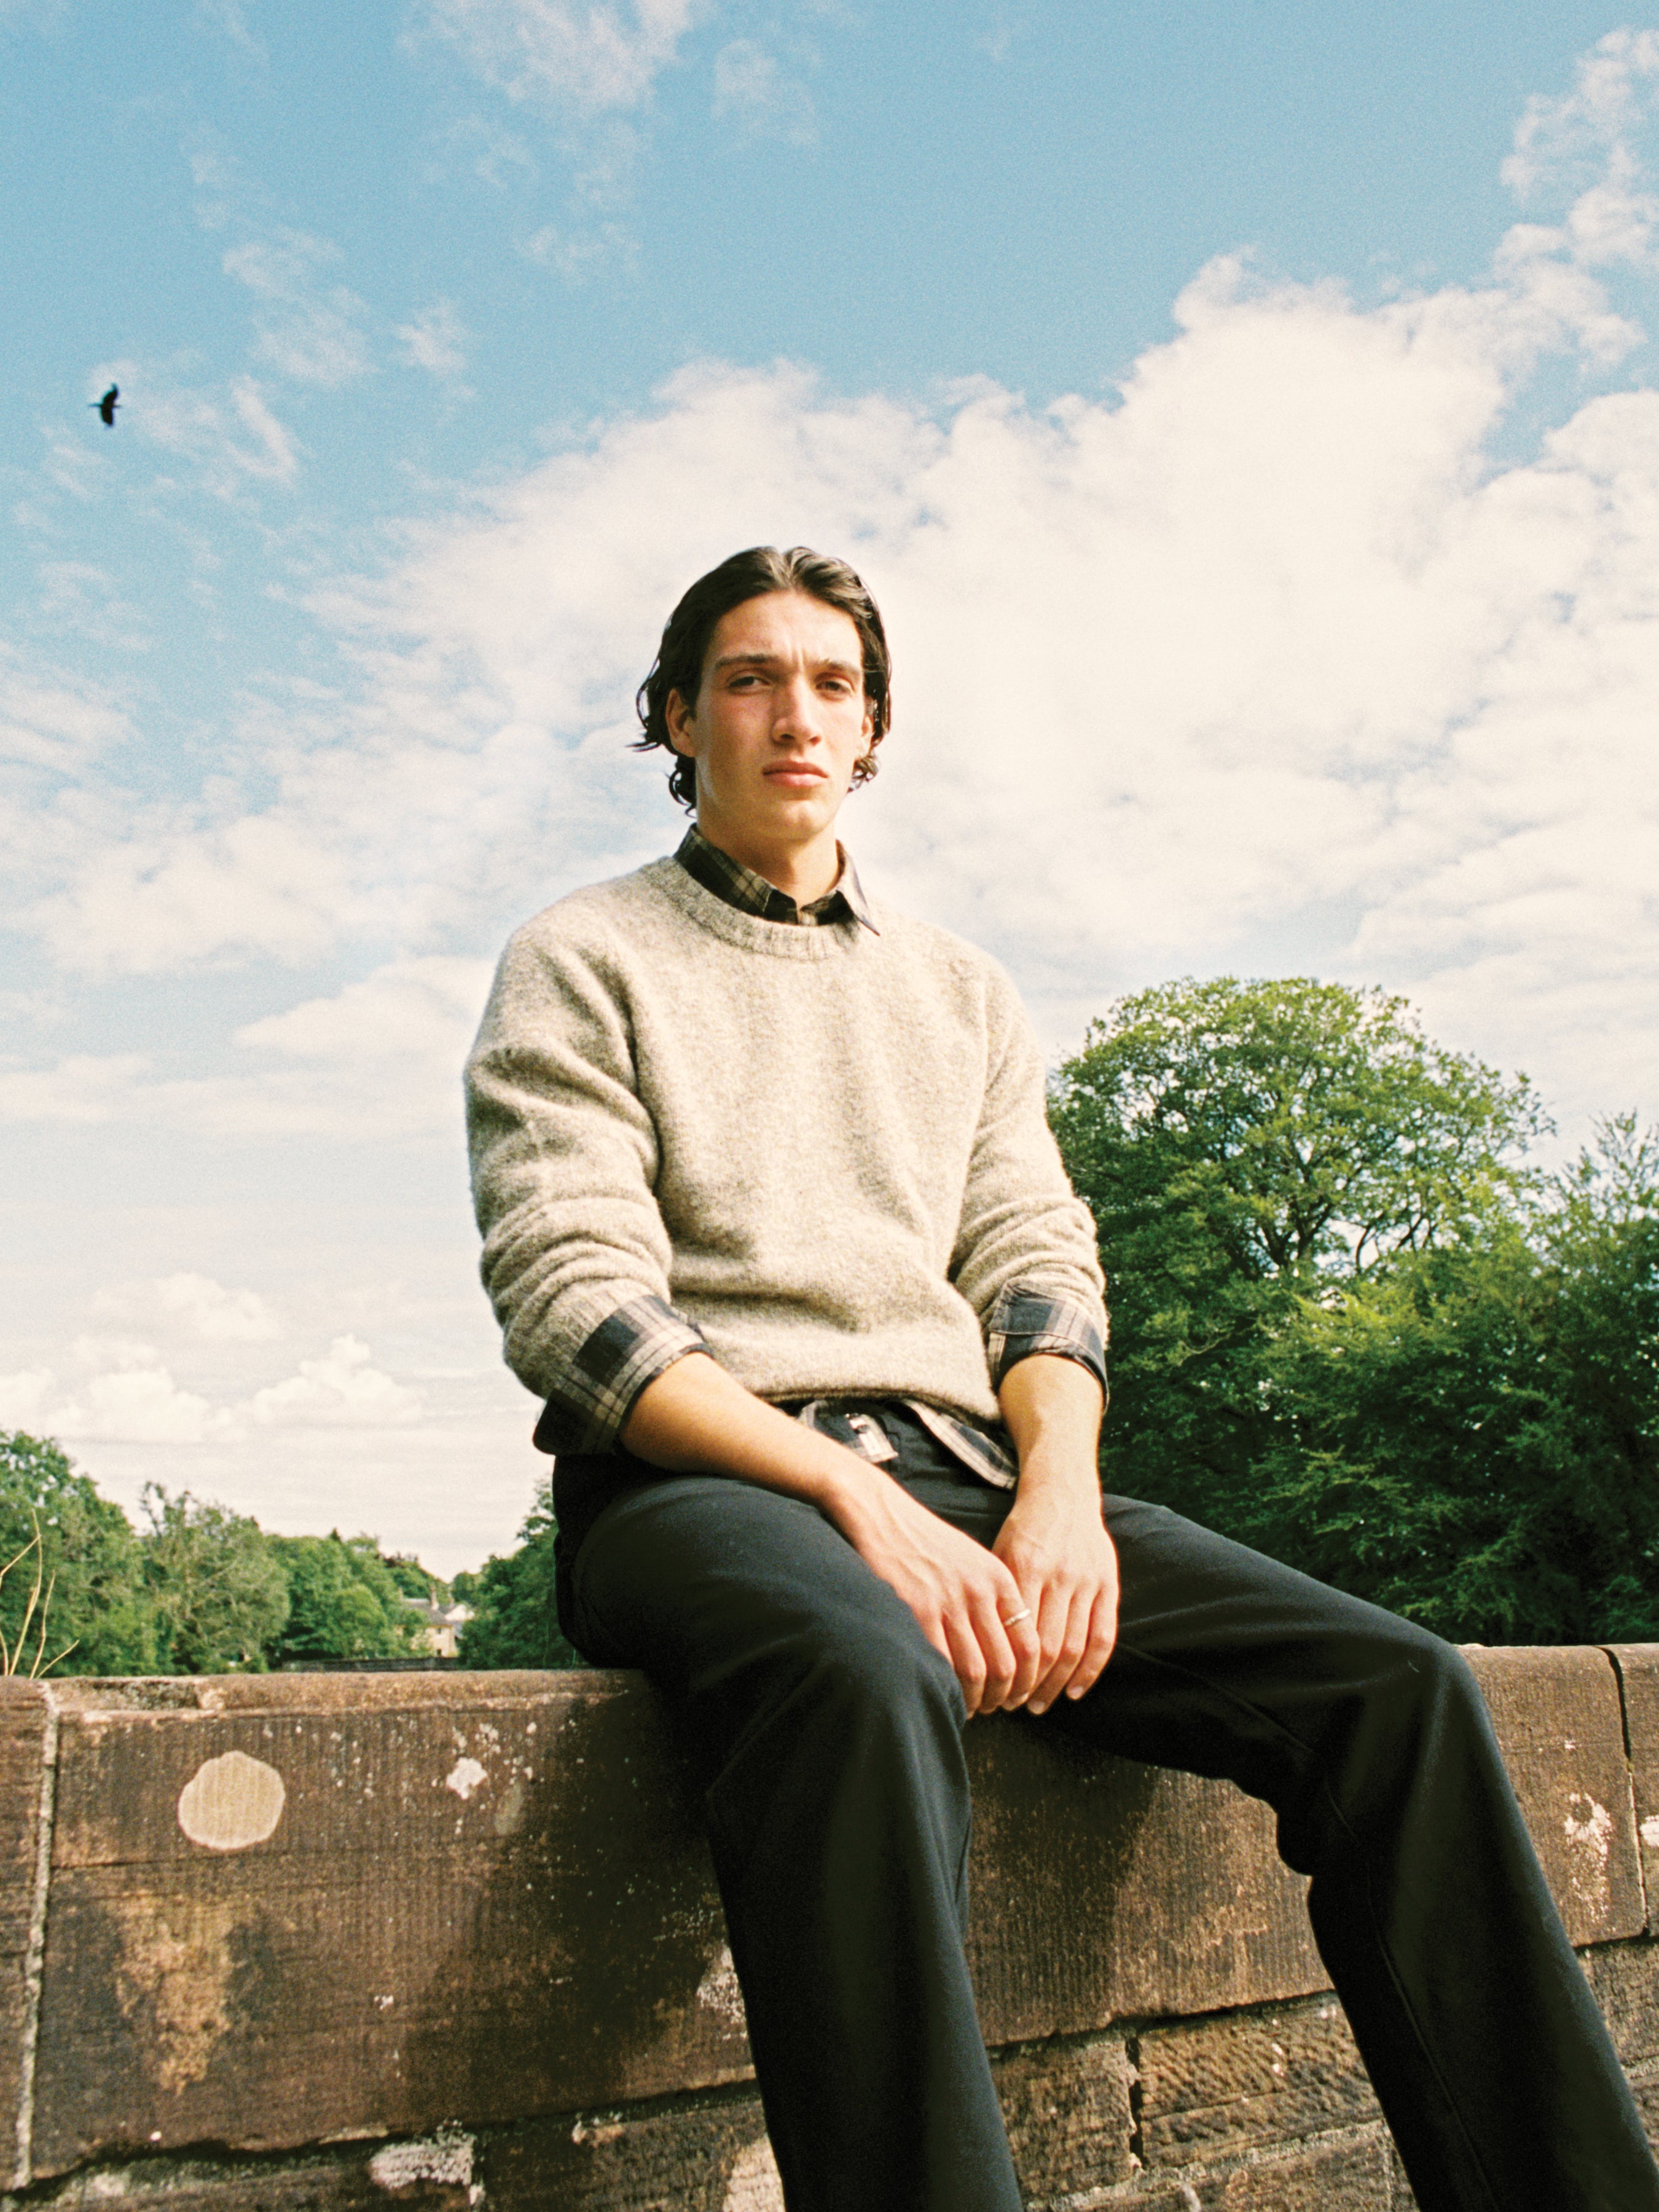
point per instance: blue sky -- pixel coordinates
(1246, 414)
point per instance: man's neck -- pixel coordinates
(802, 872)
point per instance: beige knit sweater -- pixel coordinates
(826, 1148)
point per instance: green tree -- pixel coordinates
(413, 1579)
(218, 1589)
(515, 1617)
(90, 1558)
(1471, 1435)
(1242, 1147)
(344, 1602)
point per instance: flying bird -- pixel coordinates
(108, 405)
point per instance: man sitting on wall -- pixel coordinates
(774, 1223)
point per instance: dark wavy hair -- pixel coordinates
(751, 575)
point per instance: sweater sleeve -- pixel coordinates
(1025, 1256)
(564, 1161)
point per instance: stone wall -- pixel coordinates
(452, 1940)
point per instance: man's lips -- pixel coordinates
(796, 772)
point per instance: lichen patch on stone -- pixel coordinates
(1589, 1829)
(753, 2184)
(231, 1802)
(439, 2159)
(719, 1990)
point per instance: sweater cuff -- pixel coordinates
(631, 1347)
(1026, 1319)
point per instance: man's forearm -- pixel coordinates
(1053, 1407)
(1055, 1541)
(694, 1418)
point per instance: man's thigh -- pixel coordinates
(695, 1576)
(1230, 1663)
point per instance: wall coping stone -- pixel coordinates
(266, 1913)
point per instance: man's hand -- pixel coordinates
(1054, 1541)
(962, 1596)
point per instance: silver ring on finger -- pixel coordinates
(1013, 1619)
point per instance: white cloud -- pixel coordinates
(141, 1405)
(377, 1062)
(54, 721)
(81, 1089)
(1570, 141)
(498, 157)
(341, 1389)
(1586, 147)
(436, 341)
(306, 332)
(577, 255)
(591, 54)
(127, 1395)
(996, 40)
(24, 1400)
(136, 1402)
(409, 1014)
(80, 597)
(229, 18)
(753, 94)
(191, 1306)
(230, 445)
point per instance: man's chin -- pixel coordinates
(797, 814)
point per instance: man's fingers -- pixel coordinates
(1025, 1637)
(1066, 1650)
(1015, 1631)
(966, 1654)
(1103, 1641)
(999, 1648)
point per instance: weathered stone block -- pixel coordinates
(1644, 2084)
(1638, 1666)
(1106, 1890)
(1560, 1722)
(431, 2176)
(1349, 2176)
(1625, 1979)
(1067, 2107)
(26, 1731)
(475, 1898)
(711, 2157)
(1405, 2196)
(1212, 2088)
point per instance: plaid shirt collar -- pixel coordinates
(741, 887)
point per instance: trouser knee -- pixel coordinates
(886, 1692)
(861, 1732)
(1409, 1731)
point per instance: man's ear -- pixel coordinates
(677, 713)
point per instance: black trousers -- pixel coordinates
(828, 1734)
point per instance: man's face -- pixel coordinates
(779, 720)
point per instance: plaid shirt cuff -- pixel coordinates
(627, 1350)
(1026, 1321)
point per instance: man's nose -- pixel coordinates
(795, 710)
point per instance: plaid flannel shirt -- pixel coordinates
(741, 887)
(633, 1346)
